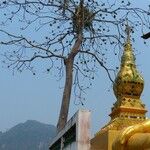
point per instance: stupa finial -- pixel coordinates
(128, 31)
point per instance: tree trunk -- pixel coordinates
(66, 95)
(68, 84)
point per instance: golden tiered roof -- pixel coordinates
(128, 86)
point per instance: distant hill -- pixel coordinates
(31, 135)
(1, 133)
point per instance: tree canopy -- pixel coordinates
(73, 37)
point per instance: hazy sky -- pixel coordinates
(24, 96)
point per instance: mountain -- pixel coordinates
(1, 133)
(31, 135)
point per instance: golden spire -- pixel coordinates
(129, 82)
(128, 86)
(128, 112)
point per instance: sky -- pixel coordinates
(28, 97)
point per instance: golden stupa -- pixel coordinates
(128, 128)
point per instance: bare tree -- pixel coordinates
(78, 35)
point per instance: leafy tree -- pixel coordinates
(79, 34)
